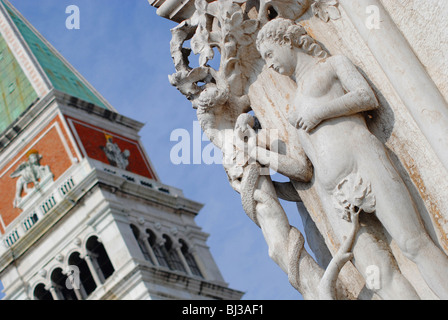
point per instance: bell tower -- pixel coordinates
(83, 213)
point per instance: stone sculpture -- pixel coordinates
(331, 94)
(30, 172)
(323, 145)
(116, 157)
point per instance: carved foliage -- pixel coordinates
(352, 195)
(222, 25)
(326, 9)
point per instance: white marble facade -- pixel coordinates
(95, 202)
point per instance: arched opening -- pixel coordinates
(40, 293)
(141, 243)
(189, 258)
(160, 254)
(61, 285)
(100, 257)
(86, 280)
(174, 261)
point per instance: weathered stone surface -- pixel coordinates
(355, 92)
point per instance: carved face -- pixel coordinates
(33, 159)
(279, 57)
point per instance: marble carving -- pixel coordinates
(30, 172)
(361, 192)
(114, 154)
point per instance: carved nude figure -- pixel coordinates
(331, 95)
(261, 204)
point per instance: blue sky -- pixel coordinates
(122, 49)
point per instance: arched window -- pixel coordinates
(141, 243)
(40, 293)
(160, 254)
(191, 261)
(174, 261)
(86, 281)
(99, 257)
(59, 282)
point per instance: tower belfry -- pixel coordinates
(83, 212)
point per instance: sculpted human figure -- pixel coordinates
(331, 95)
(258, 192)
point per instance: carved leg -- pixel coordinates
(372, 255)
(371, 250)
(396, 211)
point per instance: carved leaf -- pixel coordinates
(326, 10)
(226, 8)
(236, 20)
(201, 6)
(207, 55)
(333, 13)
(249, 26)
(245, 40)
(199, 40)
(199, 16)
(197, 74)
(323, 15)
(200, 45)
(353, 192)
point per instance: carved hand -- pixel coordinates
(307, 119)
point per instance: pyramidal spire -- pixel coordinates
(30, 68)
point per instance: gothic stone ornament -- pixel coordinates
(30, 172)
(219, 24)
(221, 104)
(326, 10)
(342, 159)
(114, 154)
(289, 9)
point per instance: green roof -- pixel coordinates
(58, 72)
(17, 93)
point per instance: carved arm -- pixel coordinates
(359, 97)
(283, 164)
(260, 150)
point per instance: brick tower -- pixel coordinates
(83, 213)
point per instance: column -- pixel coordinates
(54, 293)
(96, 277)
(150, 252)
(177, 247)
(406, 73)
